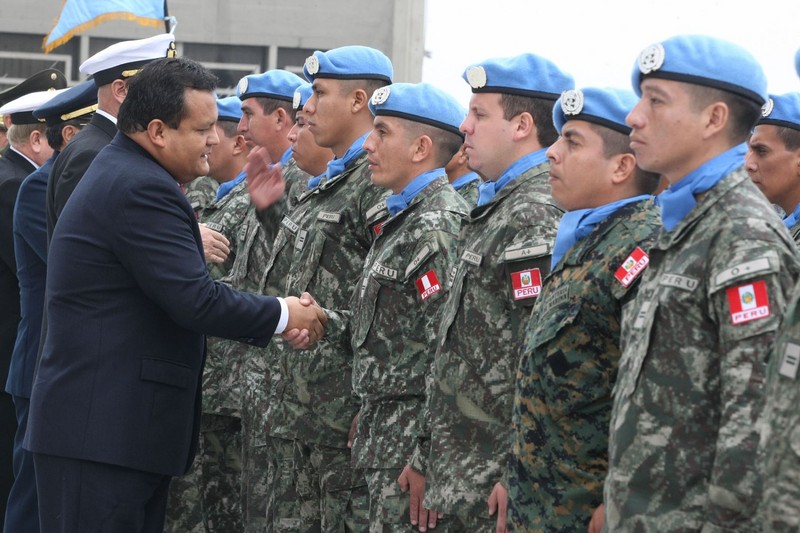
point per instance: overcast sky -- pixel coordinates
(598, 41)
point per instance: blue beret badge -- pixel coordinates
(312, 64)
(243, 85)
(766, 109)
(380, 95)
(651, 58)
(572, 101)
(476, 77)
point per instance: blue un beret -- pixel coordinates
(301, 95)
(277, 84)
(76, 101)
(229, 109)
(349, 63)
(703, 60)
(607, 107)
(522, 75)
(419, 102)
(782, 110)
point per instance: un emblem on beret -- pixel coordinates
(476, 77)
(312, 65)
(651, 58)
(380, 95)
(572, 101)
(766, 109)
(296, 100)
(242, 85)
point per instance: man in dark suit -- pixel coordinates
(116, 399)
(27, 151)
(65, 114)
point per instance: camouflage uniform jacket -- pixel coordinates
(504, 252)
(296, 182)
(469, 192)
(780, 435)
(320, 248)
(396, 309)
(201, 192)
(562, 402)
(689, 394)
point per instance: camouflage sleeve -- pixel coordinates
(748, 293)
(338, 325)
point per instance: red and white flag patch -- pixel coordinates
(378, 228)
(526, 283)
(632, 267)
(748, 302)
(428, 285)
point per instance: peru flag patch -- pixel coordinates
(526, 283)
(632, 267)
(377, 228)
(748, 302)
(428, 285)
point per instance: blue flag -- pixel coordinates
(80, 15)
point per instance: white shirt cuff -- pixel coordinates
(284, 317)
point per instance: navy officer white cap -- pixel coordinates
(125, 59)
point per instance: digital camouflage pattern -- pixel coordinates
(201, 192)
(389, 506)
(780, 436)
(307, 396)
(482, 330)
(296, 182)
(469, 192)
(795, 231)
(689, 396)
(396, 310)
(562, 401)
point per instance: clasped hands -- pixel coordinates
(306, 322)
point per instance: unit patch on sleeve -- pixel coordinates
(748, 302)
(632, 267)
(428, 285)
(526, 283)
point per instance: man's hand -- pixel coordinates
(264, 180)
(598, 519)
(215, 245)
(413, 480)
(498, 503)
(307, 318)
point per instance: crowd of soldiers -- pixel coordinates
(561, 309)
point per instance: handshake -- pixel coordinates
(306, 322)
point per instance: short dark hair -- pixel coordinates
(369, 86)
(540, 109)
(270, 105)
(55, 133)
(229, 128)
(157, 92)
(445, 143)
(743, 112)
(789, 136)
(615, 143)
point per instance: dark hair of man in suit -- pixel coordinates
(157, 92)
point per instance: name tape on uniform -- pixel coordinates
(526, 283)
(472, 258)
(748, 302)
(290, 224)
(300, 241)
(384, 271)
(375, 209)
(790, 361)
(684, 283)
(749, 268)
(632, 267)
(329, 217)
(428, 285)
(423, 254)
(526, 253)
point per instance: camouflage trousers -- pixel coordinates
(291, 486)
(388, 505)
(207, 499)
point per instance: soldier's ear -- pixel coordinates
(624, 168)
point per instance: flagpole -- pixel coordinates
(166, 18)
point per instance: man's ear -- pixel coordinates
(624, 168)
(156, 132)
(525, 126)
(716, 117)
(360, 99)
(119, 89)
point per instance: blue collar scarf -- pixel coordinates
(488, 189)
(287, 155)
(225, 188)
(336, 166)
(465, 180)
(792, 219)
(576, 225)
(679, 199)
(397, 202)
(314, 182)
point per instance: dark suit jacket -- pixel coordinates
(72, 163)
(13, 169)
(30, 248)
(128, 299)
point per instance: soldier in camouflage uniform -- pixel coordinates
(562, 401)
(773, 160)
(504, 252)
(464, 180)
(302, 404)
(201, 192)
(688, 400)
(396, 307)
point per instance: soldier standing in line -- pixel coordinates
(462, 178)
(302, 412)
(562, 402)
(773, 158)
(689, 396)
(504, 253)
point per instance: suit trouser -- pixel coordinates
(77, 496)
(8, 421)
(22, 511)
